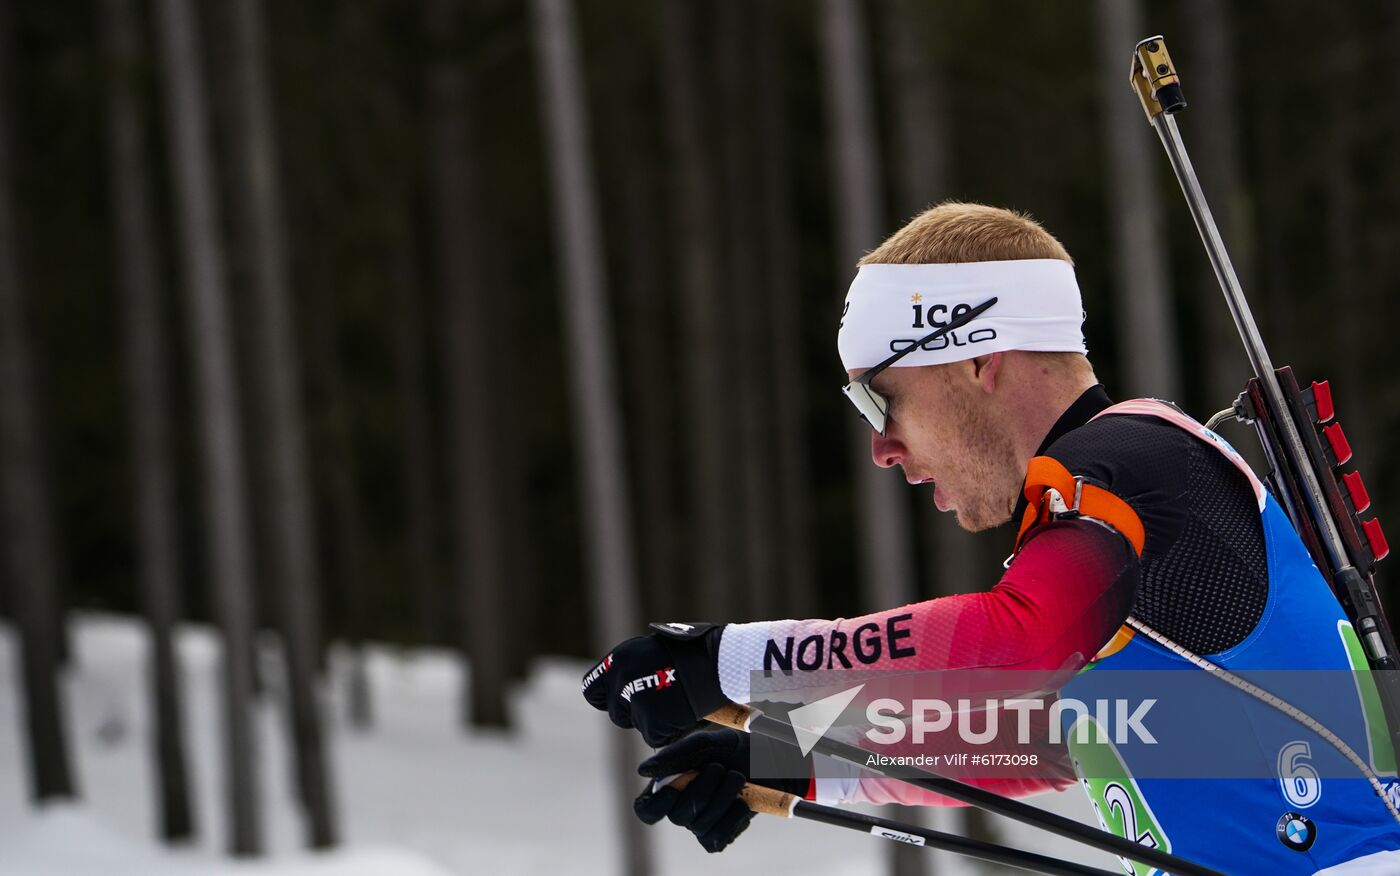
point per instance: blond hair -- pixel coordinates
(955, 232)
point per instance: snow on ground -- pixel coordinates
(418, 796)
(69, 841)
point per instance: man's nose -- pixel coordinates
(885, 451)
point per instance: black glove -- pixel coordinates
(709, 806)
(663, 684)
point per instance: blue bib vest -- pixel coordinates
(1230, 781)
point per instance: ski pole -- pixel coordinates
(770, 801)
(751, 720)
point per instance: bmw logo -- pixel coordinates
(1296, 831)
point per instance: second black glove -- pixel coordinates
(723, 760)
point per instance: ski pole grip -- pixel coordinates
(734, 715)
(764, 801)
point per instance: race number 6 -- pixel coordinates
(1296, 777)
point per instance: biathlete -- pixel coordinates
(1144, 542)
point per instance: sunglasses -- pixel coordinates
(874, 407)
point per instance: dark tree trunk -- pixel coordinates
(919, 93)
(1348, 283)
(341, 502)
(26, 524)
(508, 504)
(1217, 159)
(1146, 327)
(954, 561)
(882, 515)
(211, 346)
(650, 372)
(278, 393)
(417, 459)
(474, 476)
(152, 460)
(347, 521)
(706, 349)
(1275, 161)
(599, 445)
(924, 177)
(793, 594)
(750, 306)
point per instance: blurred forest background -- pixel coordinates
(507, 327)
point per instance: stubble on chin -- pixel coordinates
(993, 478)
(982, 518)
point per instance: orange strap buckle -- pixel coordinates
(1045, 474)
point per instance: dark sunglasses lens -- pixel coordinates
(869, 403)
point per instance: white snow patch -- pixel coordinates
(67, 841)
(418, 795)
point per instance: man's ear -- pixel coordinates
(987, 370)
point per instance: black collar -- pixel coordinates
(1082, 410)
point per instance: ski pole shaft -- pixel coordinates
(770, 801)
(948, 842)
(750, 720)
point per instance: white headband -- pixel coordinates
(889, 307)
